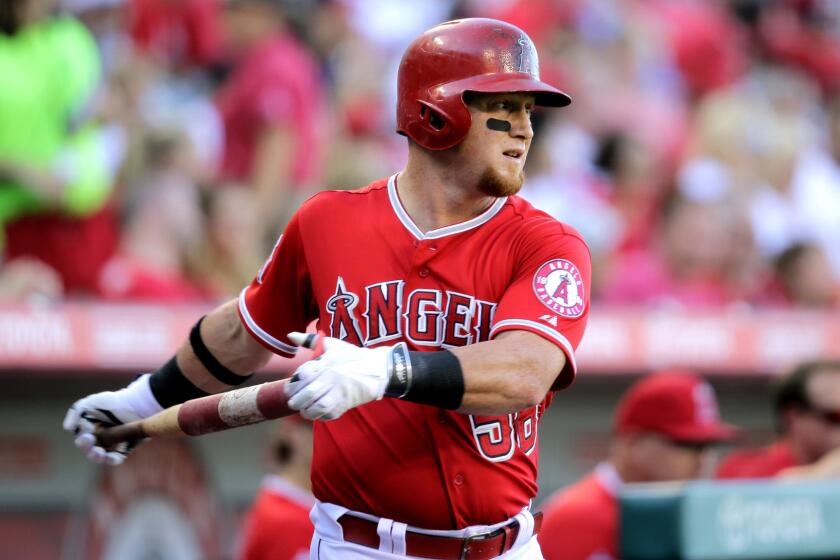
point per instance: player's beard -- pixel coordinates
(493, 184)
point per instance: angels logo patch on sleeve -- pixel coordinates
(559, 286)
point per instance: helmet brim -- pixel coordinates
(546, 95)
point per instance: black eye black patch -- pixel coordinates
(498, 124)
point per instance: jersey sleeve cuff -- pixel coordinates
(567, 375)
(277, 346)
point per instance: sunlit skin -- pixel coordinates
(497, 158)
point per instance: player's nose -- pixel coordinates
(521, 125)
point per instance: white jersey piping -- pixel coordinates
(409, 224)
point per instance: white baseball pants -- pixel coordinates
(329, 544)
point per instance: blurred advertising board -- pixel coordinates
(731, 520)
(89, 336)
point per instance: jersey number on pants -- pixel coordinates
(498, 436)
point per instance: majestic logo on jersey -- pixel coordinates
(424, 317)
(559, 286)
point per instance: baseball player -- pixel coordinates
(663, 426)
(453, 309)
(277, 526)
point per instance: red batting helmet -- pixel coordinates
(473, 54)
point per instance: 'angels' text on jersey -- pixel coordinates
(426, 317)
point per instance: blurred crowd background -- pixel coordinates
(153, 149)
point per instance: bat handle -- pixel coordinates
(110, 437)
(204, 415)
(318, 347)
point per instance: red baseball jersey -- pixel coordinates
(765, 462)
(581, 522)
(278, 525)
(356, 262)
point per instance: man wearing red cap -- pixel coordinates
(664, 425)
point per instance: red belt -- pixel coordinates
(482, 546)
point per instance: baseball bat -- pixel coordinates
(213, 413)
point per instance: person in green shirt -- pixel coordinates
(52, 156)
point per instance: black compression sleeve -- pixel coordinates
(433, 378)
(170, 387)
(437, 379)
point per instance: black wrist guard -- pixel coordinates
(170, 387)
(433, 378)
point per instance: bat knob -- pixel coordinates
(311, 341)
(109, 438)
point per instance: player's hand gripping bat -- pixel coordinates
(213, 413)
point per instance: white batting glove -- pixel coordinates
(106, 409)
(344, 376)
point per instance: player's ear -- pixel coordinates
(434, 119)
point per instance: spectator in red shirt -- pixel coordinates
(664, 426)
(271, 108)
(278, 525)
(807, 409)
